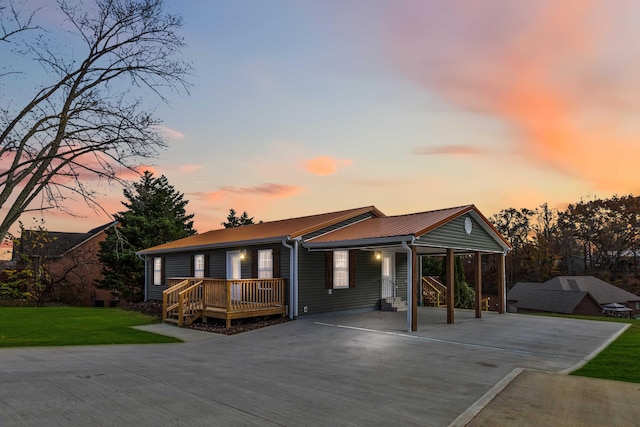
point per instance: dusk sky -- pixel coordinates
(306, 107)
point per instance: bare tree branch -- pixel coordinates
(88, 122)
(16, 22)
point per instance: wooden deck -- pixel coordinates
(188, 299)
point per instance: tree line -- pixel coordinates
(596, 236)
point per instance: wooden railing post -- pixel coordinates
(164, 306)
(180, 310)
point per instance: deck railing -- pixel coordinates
(171, 296)
(433, 290)
(187, 298)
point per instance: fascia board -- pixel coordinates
(357, 242)
(215, 245)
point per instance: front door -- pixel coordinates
(233, 273)
(388, 274)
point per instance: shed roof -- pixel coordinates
(601, 291)
(559, 293)
(529, 297)
(262, 232)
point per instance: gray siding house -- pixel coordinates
(351, 259)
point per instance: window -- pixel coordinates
(340, 269)
(265, 264)
(198, 265)
(157, 271)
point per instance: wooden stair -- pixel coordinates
(434, 293)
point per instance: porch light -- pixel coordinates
(378, 255)
(243, 254)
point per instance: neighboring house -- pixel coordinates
(585, 295)
(72, 261)
(334, 261)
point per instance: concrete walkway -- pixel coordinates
(357, 369)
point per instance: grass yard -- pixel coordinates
(58, 326)
(621, 359)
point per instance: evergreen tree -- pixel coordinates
(237, 221)
(464, 295)
(155, 215)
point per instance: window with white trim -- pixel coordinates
(340, 269)
(265, 264)
(198, 265)
(157, 271)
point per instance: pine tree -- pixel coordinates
(237, 221)
(464, 295)
(155, 215)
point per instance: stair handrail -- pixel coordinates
(436, 286)
(170, 297)
(190, 301)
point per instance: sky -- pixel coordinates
(300, 108)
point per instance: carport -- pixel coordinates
(447, 233)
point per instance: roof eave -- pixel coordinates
(345, 217)
(252, 242)
(372, 241)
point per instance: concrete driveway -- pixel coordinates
(356, 369)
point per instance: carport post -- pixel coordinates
(410, 264)
(450, 285)
(478, 277)
(502, 283)
(414, 288)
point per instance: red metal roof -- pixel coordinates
(401, 225)
(293, 227)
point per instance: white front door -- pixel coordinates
(233, 273)
(388, 274)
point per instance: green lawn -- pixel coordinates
(57, 326)
(620, 360)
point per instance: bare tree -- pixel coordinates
(87, 122)
(12, 22)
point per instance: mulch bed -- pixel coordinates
(153, 308)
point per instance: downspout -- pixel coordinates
(291, 276)
(145, 275)
(409, 282)
(296, 244)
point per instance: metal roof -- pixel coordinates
(389, 226)
(262, 232)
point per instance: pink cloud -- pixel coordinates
(276, 191)
(190, 168)
(559, 74)
(453, 150)
(267, 190)
(325, 165)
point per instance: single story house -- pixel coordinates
(350, 259)
(586, 295)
